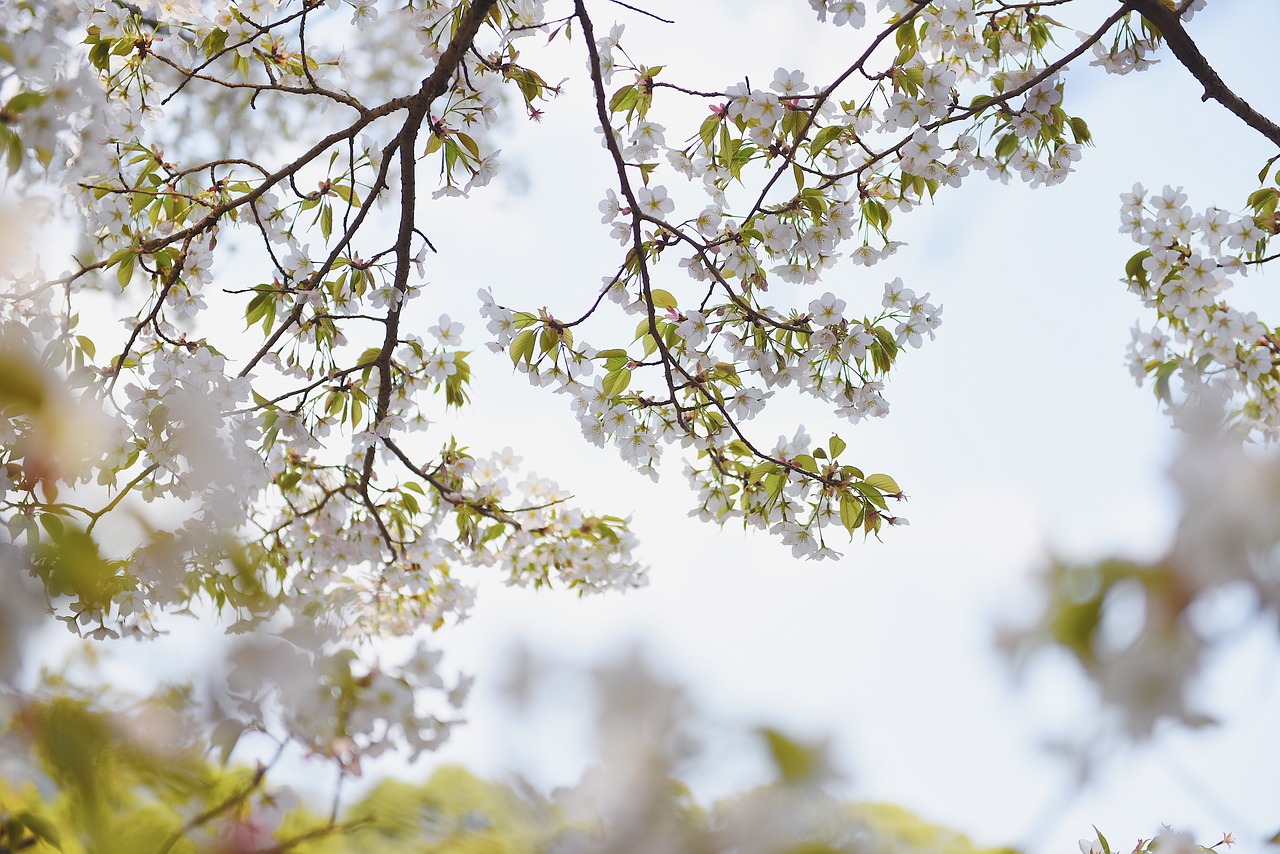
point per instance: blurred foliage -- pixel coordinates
(77, 779)
(454, 811)
(897, 829)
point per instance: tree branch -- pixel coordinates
(1185, 50)
(435, 85)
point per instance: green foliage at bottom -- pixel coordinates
(80, 781)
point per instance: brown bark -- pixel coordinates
(1186, 51)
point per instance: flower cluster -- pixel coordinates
(786, 182)
(335, 705)
(1138, 629)
(271, 472)
(1222, 355)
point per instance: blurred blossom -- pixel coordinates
(645, 736)
(1131, 625)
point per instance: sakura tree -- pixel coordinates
(261, 438)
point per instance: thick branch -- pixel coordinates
(418, 106)
(1186, 51)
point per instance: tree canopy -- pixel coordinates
(265, 440)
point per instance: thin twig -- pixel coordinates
(642, 11)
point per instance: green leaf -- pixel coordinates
(815, 201)
(708, 130)
(884, 483)
(1007, 145)
(616, 382)
(877, 215)
(548, 339)
(22, 383)
(100, 54)
(469, 144)
(980, 101)
(1266, 167)
(1080, 130)
(795, 762)
(455, 386)
(326, 221)
(850, 513)
(41, 827)
(124, 273)
(823, 138)
(256, 308)
(52, 524)
(906, 35)
(774, 482)
(837, 446)
(71, 564)
(530, 83)
(1106, 848)
(910, 77)
(14, 153)
(345, 193)
(24, 101)
(663, 299)
(873, 495)
(522, 347)
(1264, 201)
(1163, 373)
(1133, 267)
(624, 99)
